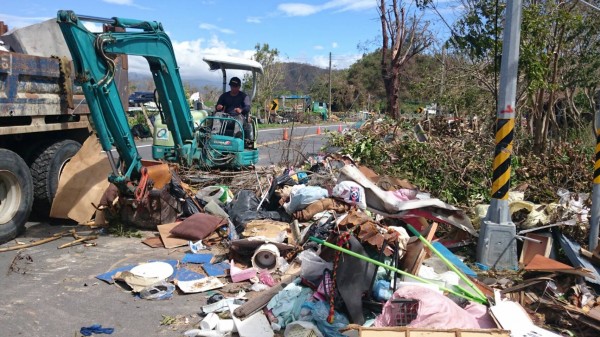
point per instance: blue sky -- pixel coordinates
(304, 31)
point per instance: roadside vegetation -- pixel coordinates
(407, 68)
(557, 95)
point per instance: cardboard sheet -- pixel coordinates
(82, 182)
(168, 239)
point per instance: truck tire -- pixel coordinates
(46, 167)
(16, 195)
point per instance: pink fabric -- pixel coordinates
(405, 194)
(436, 311)
(480, 312)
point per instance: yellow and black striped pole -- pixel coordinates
(496, 245)
(502, 157)
(595, 211)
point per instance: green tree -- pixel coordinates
(272, 75)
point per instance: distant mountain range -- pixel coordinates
(298, 78)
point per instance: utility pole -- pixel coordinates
(595, 211)
(330, 84)
(496, 246)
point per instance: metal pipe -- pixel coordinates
(111, 21)
(466, 296)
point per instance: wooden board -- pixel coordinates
(420, 332)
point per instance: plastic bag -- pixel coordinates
(159, 291)
(318, 312)
(243, 209)
(351, 193)
(312, 266)
(217, 193)
(302, 196)
(189, 207)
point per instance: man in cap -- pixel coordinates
(236, 104)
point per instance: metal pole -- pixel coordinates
(329, 107)
(497, 246)
(595, 211)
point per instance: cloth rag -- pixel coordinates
(95, 329)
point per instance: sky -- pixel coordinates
(306, 31)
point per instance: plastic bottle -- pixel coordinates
(382, 291)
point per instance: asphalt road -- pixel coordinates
(48, 291)
(301, 141)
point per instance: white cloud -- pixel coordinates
(317, 47)
(253, 19)
(211, 27)
(334, 45)
(189, 59)
(297, 9)
(302, 9)
(126, 3)
(14, 22)
(350, 5)
(337, 61)
(120, 2)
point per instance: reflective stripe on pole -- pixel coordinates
(597, 162)
(595, 211)
(502, 154)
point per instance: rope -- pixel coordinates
(343, 239)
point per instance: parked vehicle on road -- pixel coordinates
(43, 120)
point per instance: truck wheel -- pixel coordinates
(46, 167)
(16, 195)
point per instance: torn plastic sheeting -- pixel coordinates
(243, 209)
(386, 204)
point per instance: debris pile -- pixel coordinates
(333, 249)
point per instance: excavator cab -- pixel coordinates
(224, 63)
(225, 141)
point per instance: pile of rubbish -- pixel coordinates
(333, 249)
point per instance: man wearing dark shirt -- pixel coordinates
(236, 104)
(235, 101)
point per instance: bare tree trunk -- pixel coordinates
(400, 42)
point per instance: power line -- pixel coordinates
(589, 4)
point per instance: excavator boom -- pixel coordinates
(93, 59)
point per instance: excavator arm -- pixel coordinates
(93, 58)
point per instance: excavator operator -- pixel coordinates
(236, 104)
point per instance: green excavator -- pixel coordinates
(191, 138)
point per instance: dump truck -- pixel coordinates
(44, 119)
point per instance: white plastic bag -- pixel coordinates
(351, 193)
(312, 266)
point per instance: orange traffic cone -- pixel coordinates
(340, 128)
(285, 134)
(318, 130)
